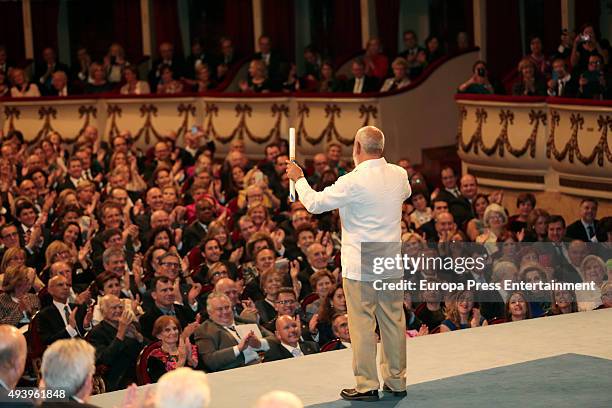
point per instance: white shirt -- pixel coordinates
(60, 306)
(370, 201)
(358, 87)
(250, 354)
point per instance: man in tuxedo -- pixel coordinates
(562, 83)
(450, 190)
(62, 320)
(270, 58)
(13, 351)
(75, 174)
(288, 343)
(218, 341)
(166, 57)
(360, 83)
(341, 331)
(461, 207)
(45, 69)
(198, 229)
(69, 366)
(59, 85)
(556, 246)
(164, 296)
(587, 228)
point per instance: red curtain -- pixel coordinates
(279, 24)
(127, 27)
(503, 36)
(239, 25)
(587, 11)
(166, 25)
(551, 34)
(345, 30)
(44, 25)
(11, 31)
(387, 21)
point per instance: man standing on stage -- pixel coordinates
(370, 202)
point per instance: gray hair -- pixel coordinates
(183, 387)
(67, 364)
(111, 252)
(103, 303)
(494, 208)
(279, 399)
(215, 295)
(372, 140)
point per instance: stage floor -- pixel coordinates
(318, 379)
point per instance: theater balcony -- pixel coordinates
(542, 144)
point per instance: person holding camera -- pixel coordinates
(592, 83)
(585, 45)
(479, 81)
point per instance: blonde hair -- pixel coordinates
(497, 209)
(15, 275)
(53, 250)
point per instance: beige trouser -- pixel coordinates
(365, 307)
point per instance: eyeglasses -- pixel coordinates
(217, 274)
(170, 264)
(285, 302)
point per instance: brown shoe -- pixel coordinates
(401, 394)
(350, 394)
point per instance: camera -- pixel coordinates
(481, 72)
(585, 37)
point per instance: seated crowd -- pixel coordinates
(579, 68)
(202, 72)
(165, 253)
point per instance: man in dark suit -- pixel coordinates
(62, 320)
(429, 228)
(13, 351)
(556, 247)
(118, 342)
(450, 190)
(164, 296)
(587, 228)
(59, 85)
(45, 69)
(166, 57)
(67, 366)
(219, 344)
(198, 229)
(461, 207)
(270, 58)
(360, 83)
(75, 174)
(288, 343)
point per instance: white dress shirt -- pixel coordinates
(250, 353)
(60, 306)
(370, 201)
(358, 87)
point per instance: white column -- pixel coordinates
(28, 38)
(145, 24)
(480, 27)
(567, 14)
(257, 22)
(368, 20)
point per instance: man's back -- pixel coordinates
(370, 202)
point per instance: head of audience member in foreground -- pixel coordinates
(183, 387)
(13, 350)
(69, 365)
(279, 399)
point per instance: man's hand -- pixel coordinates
(294, 172)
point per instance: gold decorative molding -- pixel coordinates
(367, 112)
(11, 113)
(185, 110)
(113, 111)
(148, 111)
(88, 111)
(45, 113)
